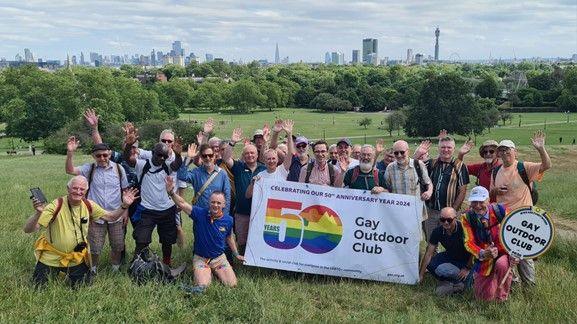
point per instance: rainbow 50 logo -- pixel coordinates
(317, 229)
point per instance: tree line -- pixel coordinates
(36, 103)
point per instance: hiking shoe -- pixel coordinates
(444, 288)
(458, 287)
(193, 290)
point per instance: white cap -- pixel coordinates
(479, 193)
(507, 143)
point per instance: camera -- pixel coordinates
(80, 247)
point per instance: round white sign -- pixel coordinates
(527, 232)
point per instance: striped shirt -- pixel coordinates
(404, 179)
(447, 178)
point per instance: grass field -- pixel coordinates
(270, 296)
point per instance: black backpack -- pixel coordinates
(147, 266)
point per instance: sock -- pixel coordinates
(115, 267)
(166, 253)
(93, 269)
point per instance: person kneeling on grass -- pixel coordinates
(211, 230)
(64, 247)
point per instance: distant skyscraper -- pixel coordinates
(419, 59)
(355, 59)
(409, 55)
(437, 33)
(28, 57)
(276, 55)
(82, 58)
(370, 51)
(74, 61)
(209, 57)
(153, 58)
(328, 59)
(93, 57)
(177, 49)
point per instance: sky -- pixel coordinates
(248, 30)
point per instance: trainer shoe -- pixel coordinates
(444, 288)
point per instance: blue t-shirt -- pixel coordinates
(209, 239)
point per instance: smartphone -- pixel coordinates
(38, 194)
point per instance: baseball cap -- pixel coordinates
(258, 132)
(507, 143)
(100, 147)
(479, 193)
(300, 140)
(345, 140)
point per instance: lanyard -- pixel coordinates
(74, 224)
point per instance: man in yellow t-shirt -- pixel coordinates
(66, 221)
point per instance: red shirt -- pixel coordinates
(483, 173)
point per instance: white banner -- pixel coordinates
(334, 231)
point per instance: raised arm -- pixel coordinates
(178, 200)
(422, 150)
(71, 146)
(128, 197)
(287, 125)
(92, 121)
(227, 154)
(177, 150)
(276, 129)
(538, 141)
(31, 225)
(465, 149)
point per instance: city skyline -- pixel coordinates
(303, 30)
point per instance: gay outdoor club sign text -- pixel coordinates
(334, 231)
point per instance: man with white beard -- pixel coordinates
(365, 176)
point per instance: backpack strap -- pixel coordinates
(59, 203)
(90, 175)
(145, 170)
(417, 166)
(331, 174)
(88, 206)
(310, 166)
(494, 172)
(499, 213)
(376, 177)
(523, 173)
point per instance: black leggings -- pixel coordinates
(76, 275)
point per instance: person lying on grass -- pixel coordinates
(212, 228)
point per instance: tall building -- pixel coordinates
(437, 33)
(177, 49)
(328, 59)
(153, 58)
(355, 59)
(74, 61)
(28, 57)
(276, 55)
(209, 57)
(370, 51)
(93, 57)
(82, 58)
(419, 59)
(409, 55)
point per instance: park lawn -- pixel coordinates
(265, 295)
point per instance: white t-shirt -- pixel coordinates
(153, 189)
(279, 174)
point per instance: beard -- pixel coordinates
(366, 166)
(488, 161)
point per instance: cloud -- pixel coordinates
(305, 30)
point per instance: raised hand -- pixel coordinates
(288, 125)
(91, 118)
(191, 152)
(442, 134)
(177, 145)
(246, 141)
(169, 184)
(344, 163)
(266, 132)
(38, 205)
(72, 144)
(129, 196)
(379, 147)
(538, 140)
(423, 149)
(277, 127)
(466, 148)
(208, 126)
(236, 135)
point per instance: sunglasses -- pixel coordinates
(399, 152)
(101, 155)
(320, 151)
(204, 156)
(446, 220)
(166, 141)
(301, 146)
(488, 151)
(161, 156)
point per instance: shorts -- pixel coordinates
(431, 222)
(217, 263)
(162, 219)
(97, 235)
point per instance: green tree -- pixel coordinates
(488, 87)
(395, 121)
(366, 122)
(245, 95)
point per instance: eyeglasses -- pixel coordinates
(320, 151)
(204, 156)
(446, 220)
(488, 151)
(101, 155)
(301, 146)
(166, 141)
(399, 152)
